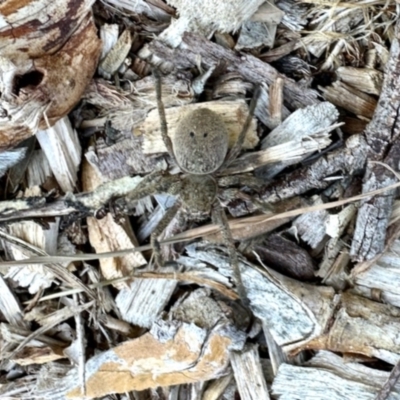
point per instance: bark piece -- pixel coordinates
(170, 354)
(358, 324)
(251, 68)
(48, 53)
(346, 161)
(286, 257)
(122, 158)
(382, 137)
(329, 377)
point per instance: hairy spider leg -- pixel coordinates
(237, 147)
(161, 113)
(219, 218)
(165, 221)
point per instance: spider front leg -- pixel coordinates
(161, 113)
(154, 183)
(234, 152)
(219, 217)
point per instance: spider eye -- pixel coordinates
(191, 134)
(205, 135)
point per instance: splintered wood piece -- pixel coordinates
(329, 377)
(142, 302)
(233, 113)
(335, 226)
(35, 277)
(289, 153)
(10, 307)
(347, 160)
(116, 56)
(39, 170)
(358, 324)
(108, 235)
(365, 79)
(349, 98)
(311, 227)
(172, 353)
(38, 355)
(61, 145)
(305, 123)
(248, 374)
(269, 106)
(380, 277)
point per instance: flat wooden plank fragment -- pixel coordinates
(171, 353)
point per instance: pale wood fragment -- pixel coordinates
(268, 105)
(144, 299)
(61, 145)
(10, 306)
(38, 171)
(276, 102)
(349, 98)
(381, 276)
(216, 388)
(172, 353)
(233, 113)
(335, 227)
(275, 298)
(249, 374)
(367, 80)
(116, 56)
(108, 235)
(308, 122)
(311, 227)
(329, 377)
(35, 277)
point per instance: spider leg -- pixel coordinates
(219, 217)
(161, 112)
(156, 182)
(248, 180)
(234, 152)
(155, 244)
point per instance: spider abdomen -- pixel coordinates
(200, 143)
